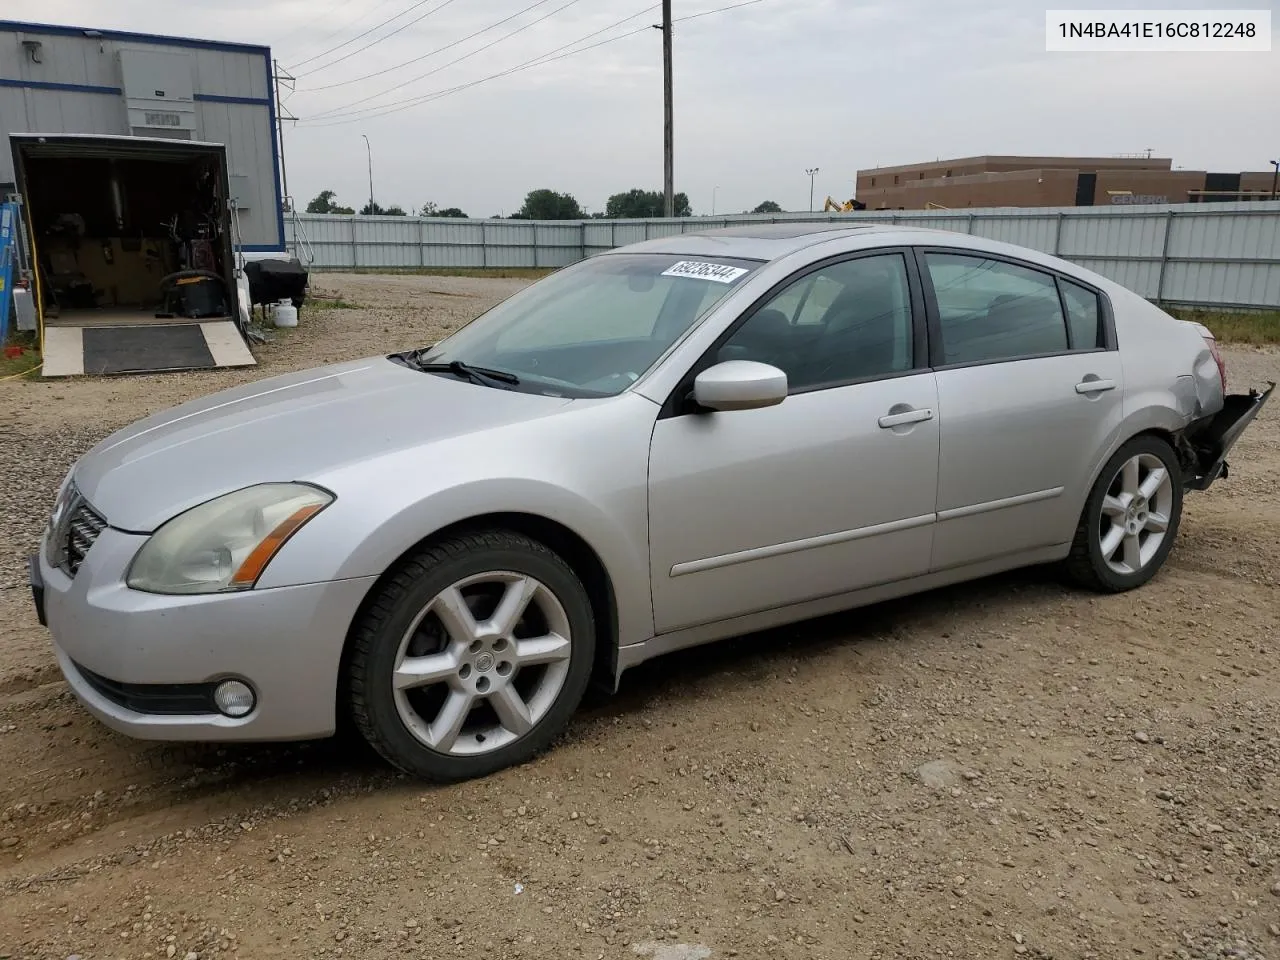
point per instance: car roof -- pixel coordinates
(760, 241)
(767, 241)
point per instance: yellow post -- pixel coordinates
(35, 280)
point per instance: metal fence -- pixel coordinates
(1221, 254)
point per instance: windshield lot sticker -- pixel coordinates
(699, 270)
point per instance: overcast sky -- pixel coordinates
(762, 92)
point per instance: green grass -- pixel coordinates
(23, 366)
(329, 303)
(1252, 327)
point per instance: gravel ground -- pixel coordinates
(1007, 768)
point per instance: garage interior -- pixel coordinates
(136, 269)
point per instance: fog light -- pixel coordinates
(234, 698)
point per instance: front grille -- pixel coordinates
(157, 699)
(84, 527)
(75, 532)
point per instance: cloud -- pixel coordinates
(762, 93)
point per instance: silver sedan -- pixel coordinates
(678, 441)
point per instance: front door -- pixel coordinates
(1031, 389)
(831, 490)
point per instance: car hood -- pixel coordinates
(292, 427)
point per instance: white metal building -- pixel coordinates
(73, 80)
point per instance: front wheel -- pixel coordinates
(472, 657)
(1131, 518)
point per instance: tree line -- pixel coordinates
(542, 204)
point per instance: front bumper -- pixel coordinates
(112, 642)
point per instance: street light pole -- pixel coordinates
(1275, 177)
(369, 150)
(713, 199)
(812, 172)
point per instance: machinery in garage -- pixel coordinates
(153, 175)
(133, 245)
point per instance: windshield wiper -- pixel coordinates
(467, 371)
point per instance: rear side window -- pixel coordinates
(991, 310)
(1084, 316)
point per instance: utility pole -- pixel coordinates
(369, 150)
(812, 172)
(668, 138)
(278, 74)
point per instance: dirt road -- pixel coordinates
(1009, 768)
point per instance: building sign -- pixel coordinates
(1138, 198)
(164, 119)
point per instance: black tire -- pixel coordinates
(1085, 564)
(376, 638)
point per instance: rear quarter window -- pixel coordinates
(1084, 316)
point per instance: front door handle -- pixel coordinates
(891, 420)
(1087, 386)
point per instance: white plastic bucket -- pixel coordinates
(285, 314)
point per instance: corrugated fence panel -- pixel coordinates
(558, 244)
(1222, 283)
(1140, 276)
(1239, 235)
(1038, 233)
(468, 255)
(456, 232)
(599, 235)
(629, 231)
(1222, 253)
(509, 233)
(1137, 235)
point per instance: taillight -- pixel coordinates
(1212, 344)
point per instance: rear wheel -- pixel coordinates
(472, 657)
(1131, 518)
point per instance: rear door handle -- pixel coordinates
(891, 420)
(1095, 386)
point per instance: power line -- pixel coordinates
(333, 33)
(382, 110)
(546, 57)
(707, 13)
(432, 53)
(440, 94)
(388, 36)
(352, 53)
(444, 66)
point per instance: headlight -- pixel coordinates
(225, 544)
(60, 505)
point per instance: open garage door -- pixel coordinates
(136, 262)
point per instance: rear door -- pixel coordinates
(1030, 389)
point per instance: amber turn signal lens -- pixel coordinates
(261, 555)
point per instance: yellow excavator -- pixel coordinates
(848, 206)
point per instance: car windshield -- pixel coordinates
(589, 330)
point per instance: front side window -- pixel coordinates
(592, 329)
(992, 310)
(844, 322)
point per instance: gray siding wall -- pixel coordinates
(1220, 254)
(85, 96)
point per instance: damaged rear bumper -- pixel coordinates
(1211, 439)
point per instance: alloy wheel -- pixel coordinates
(1135, 514)
(482, 663)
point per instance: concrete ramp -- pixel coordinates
(143, 348)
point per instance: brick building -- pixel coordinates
(1051, 182)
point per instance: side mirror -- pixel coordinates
(740, 385)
